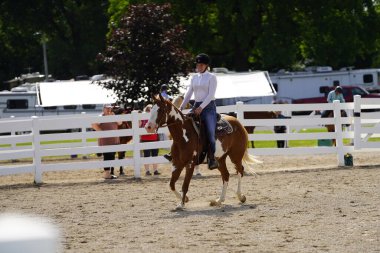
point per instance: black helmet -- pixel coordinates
(339, 89)
(202, 58)
(164, 87)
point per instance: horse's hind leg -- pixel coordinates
(240, 170)
(225, 178)
(240, 196)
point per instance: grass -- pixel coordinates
(294, 143)
(258, 144)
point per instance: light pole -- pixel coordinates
(45, 60)
(44, 40)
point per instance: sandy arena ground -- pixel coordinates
(294, 204)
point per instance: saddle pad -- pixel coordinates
(223, 127)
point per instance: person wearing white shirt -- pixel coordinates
(203, 86)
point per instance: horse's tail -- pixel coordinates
(250, 160)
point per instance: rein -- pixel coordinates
(184, 117)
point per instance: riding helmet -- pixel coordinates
(339, 89)
(202, 58)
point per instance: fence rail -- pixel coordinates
(36, 138)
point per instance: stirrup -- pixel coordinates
(168, 157)
(213, 164)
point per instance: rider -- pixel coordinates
(336, 94)
(203, 85)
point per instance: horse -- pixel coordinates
(257, 115)
(187, 148)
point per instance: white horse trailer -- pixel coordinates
(313, 81)
(54, 98)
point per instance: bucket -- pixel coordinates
(348, 160)
(325, 142)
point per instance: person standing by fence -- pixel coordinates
(123, 139)
(107, 156)
(336, 94)
(149, 152)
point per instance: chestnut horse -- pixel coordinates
(187, 147)
(257, 115)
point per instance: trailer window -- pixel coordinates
(357, 91)
(50, 108)
(275, 86)
(17, 104)
(368, 78)
(89, 106)
(69, 107)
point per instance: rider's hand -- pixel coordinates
(198, 110)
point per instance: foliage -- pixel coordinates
(144, 52)
(237, 34)
(75, 31)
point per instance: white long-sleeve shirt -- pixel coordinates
(203, 85)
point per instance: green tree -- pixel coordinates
(339, 33)
(75, 31)
(144, 52)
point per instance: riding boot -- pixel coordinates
(212, 163)
(112, 171)
(168, 157)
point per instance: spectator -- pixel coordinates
(164, 92)
(149, 138)
(336, 94)
(107, 110)
(123, 139)
(280, 129)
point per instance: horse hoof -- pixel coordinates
(242, 199)
(180, 207)
(215, 203)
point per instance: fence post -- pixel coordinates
(239, 111)
(37, 150)
(84, 140)
(338, 132)
(136, 142)
(357, 122)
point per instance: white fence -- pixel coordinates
(37, 138)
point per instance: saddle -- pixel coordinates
(223, 127)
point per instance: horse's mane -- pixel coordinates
(176, 107)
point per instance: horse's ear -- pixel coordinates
(161, 97)
(155, 97)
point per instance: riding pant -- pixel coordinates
(208, 117)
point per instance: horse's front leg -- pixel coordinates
(176, 172)
(185, 185)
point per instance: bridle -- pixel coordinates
(185, 117)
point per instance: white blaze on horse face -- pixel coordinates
(151, 125)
